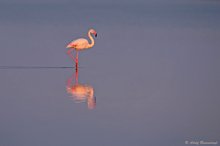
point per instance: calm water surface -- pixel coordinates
(152, 78)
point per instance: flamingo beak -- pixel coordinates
(96, 35)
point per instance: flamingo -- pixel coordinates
(81, 44)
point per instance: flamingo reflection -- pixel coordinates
(80, 92)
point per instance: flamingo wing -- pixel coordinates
(78, 44)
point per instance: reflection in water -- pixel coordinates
(80, 92)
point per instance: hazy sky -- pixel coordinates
(109, 12)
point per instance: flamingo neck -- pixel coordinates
(92, 40)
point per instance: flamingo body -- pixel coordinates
(81, 44)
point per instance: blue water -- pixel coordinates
(154, 71)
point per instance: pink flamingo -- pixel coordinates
(81, 44)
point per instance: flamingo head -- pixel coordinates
(93, 32)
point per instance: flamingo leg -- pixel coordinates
(76, 60)
(71, 55)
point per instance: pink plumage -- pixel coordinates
(81, 44)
